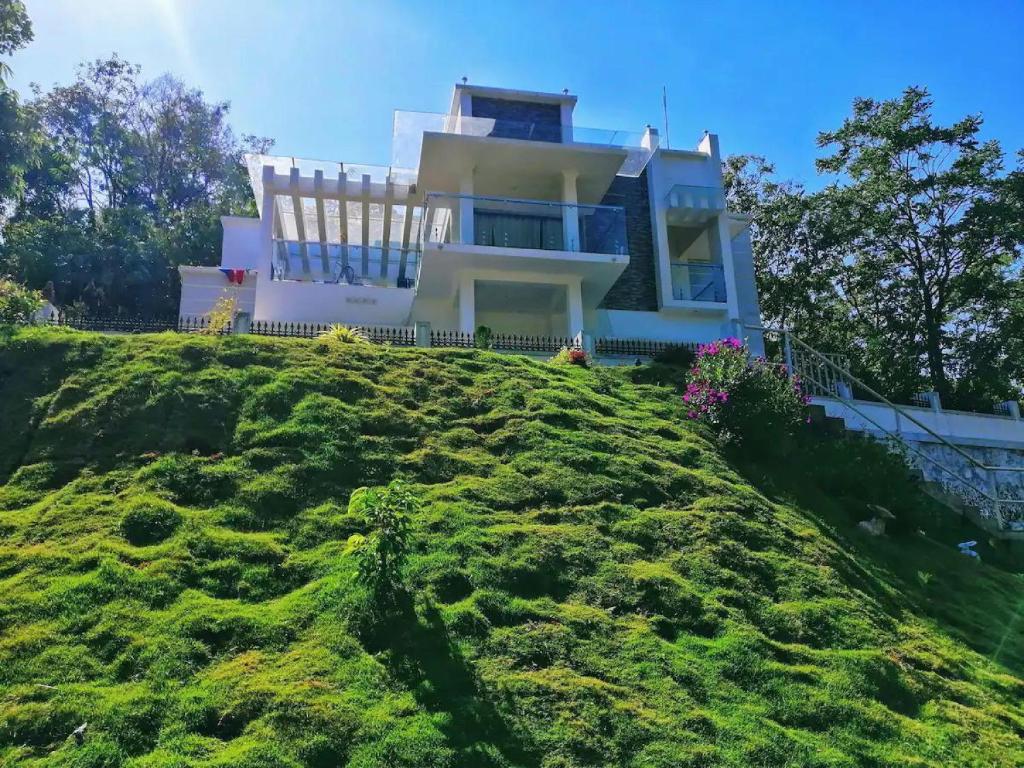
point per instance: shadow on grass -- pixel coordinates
(424, 657)
(916, 569)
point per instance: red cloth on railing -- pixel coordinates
(235, 276)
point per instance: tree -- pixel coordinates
(924, 257)
(17, 138)
(130, 181)
(15, 32)
(908, 262)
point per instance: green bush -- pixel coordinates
(149, 520)
(751, 402)
(383, 552)
(17, 303)
(574, 356)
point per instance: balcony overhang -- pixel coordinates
(689, 205)
(517, 167)
(442, 262)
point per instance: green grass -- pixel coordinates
(595, 583)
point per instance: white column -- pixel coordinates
(722, 242)
(465, 233)
(467, 304)
(570, 213)
(266, 256)
(574, 306)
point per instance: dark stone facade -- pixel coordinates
(535, 121)
(636, 288)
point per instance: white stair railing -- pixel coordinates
(828, 378)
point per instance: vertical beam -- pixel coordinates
(467, 304)
(300, 219)
(406, 234)
(267, 222)
(465, 219)
(385, 239)
(721, 245)
(574, 306)
(365, 199)
(321, 223)
(343, 214)
(570, 212)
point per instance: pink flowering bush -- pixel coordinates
(751, 402)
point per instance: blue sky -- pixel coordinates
(322, 76)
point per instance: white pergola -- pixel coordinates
(327, 210)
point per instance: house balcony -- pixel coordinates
(509, 223)
(507, 237)
(339, 264)
(700, 282)
(446, 148)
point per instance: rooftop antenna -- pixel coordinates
(465, 79)
(565, 91)
(664, 108)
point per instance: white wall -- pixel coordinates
(955, 426)
(305, 302)
(202, 286)
(240, 246)
(666, 325)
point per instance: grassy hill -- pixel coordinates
(595, 583)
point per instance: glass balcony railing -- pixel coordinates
(409, 127)
(313, 262)
(537, 224)
(698, 281)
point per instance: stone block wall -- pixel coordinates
(636, 289)
(521, 119)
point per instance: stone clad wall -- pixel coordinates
(636, 288)
(521, 119)
(1010, 484)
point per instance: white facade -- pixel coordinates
(501, 212)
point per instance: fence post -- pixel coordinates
(422, 334)
(1012, 408)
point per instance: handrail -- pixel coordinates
(992, 497)
(519, 200)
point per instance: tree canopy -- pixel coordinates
(908, 259)
(128, 180)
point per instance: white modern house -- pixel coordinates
(499, 212)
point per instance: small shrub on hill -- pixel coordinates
(345, 335)
(383, 552)
(483, 338)
(574, 356)
(751, 402)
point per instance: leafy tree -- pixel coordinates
(17, 139)
(383, 552)
(907, 262)
(924, 257)
(130, 182)
(15, 32)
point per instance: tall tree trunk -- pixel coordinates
(933, 349)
